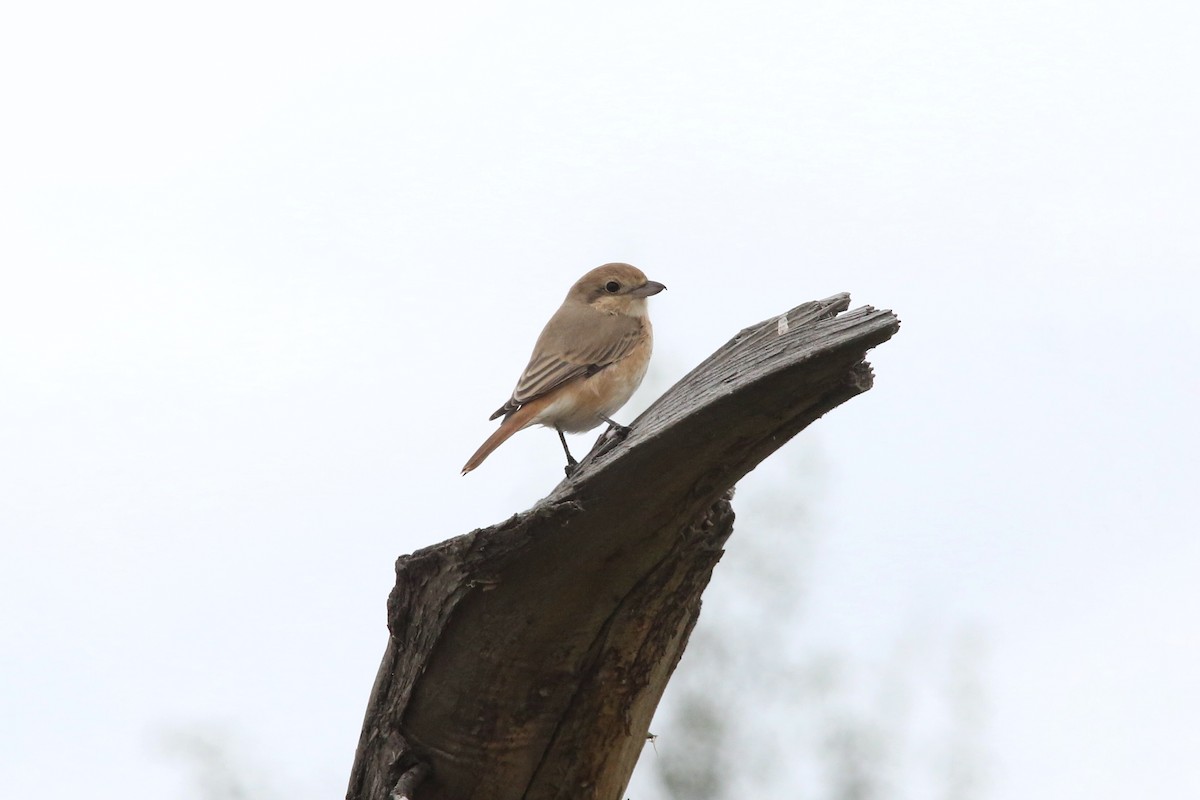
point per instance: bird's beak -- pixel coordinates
(646, 289)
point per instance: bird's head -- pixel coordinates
(615, 289)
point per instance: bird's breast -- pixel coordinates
(581, 404)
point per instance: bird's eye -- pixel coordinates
(612, 287)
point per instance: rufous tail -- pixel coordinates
(511, 424)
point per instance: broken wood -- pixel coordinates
(525, 660)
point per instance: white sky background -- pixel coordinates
(268, 268)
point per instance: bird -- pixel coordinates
(587, 362)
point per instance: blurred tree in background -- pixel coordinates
(756, 708)
(217, 769)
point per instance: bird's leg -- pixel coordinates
(572, 464)
(614, 435)
(621, 430)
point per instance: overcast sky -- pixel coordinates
(267, 268)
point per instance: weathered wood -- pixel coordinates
(526, 659)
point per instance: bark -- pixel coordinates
(525, 660)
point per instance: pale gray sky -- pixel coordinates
(268, 268)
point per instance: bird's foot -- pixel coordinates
(615, 430)
(612, 436)
(619, 432)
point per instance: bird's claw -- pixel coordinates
(613, 436)
(618, 432)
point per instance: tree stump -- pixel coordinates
(525, 660)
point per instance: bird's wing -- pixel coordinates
(574, 343)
